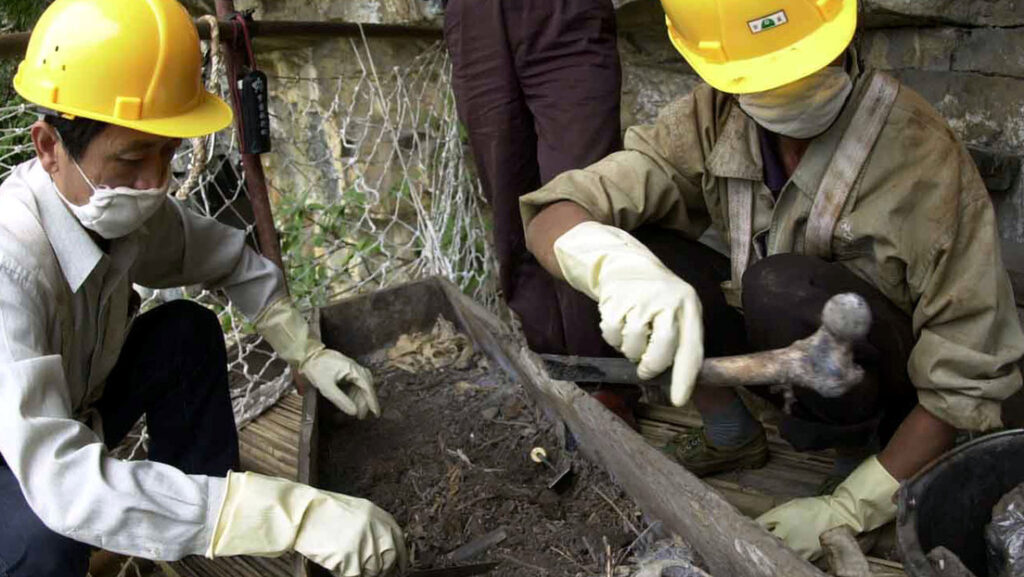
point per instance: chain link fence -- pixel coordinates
(370, 187)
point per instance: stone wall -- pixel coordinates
(964, 56)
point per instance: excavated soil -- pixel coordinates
(449, 458)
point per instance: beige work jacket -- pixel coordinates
(918, 224)
(64, 318)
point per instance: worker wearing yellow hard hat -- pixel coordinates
(131, 64)
(119, 84)
(723, 228)
(743, 47)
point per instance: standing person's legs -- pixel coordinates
(501, 134)
(173, 369)
(567, 60)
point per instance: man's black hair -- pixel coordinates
(76, 134)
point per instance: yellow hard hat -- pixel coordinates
(133, 63)
(743, 46)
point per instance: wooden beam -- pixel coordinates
(13, 45)
(728, 542)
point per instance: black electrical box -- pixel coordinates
(255, 112)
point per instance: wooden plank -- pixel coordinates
(268, 445)
(730, 543)
(787, 475)
(281, 423)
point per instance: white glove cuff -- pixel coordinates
(868, 492)
(288, 333)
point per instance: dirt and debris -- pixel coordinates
(450, 459)
(1004, 536)
(668, 558)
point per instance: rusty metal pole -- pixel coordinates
(255, 179)
(12, 45)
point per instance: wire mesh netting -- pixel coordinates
(370, 187)
(372, 165)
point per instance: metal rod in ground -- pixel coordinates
(478, 546)
(255, 179)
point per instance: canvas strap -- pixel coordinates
(847, 163)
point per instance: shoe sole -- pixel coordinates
(744, 465)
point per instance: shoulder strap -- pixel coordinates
(851, 155)
(741, 223)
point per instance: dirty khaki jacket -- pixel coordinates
(918, 224)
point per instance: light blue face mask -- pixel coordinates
(802, 109)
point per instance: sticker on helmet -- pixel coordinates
(768, 22)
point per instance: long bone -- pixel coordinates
(822, 362)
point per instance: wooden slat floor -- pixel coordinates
(268, 445)
(787, 475)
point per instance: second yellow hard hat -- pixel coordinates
(132, 63)
(744, 46)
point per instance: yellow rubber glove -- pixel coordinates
(648, 313)
(863, 502)
(267, 517)
(344, 382)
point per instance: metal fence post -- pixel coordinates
(255, 179)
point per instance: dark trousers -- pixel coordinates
(537, 83)
(783, 296)
(173, 369)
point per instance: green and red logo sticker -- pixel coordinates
(768, 22)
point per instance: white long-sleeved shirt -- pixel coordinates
(64, 315)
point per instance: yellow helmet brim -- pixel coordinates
(778, 68)
(211, 115)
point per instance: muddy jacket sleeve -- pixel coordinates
(185, 248)
(133, 508)
(969, 338)
(656, 179)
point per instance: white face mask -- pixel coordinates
(802, 109)
(116, 212)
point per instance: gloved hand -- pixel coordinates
(267, 517)
(863, 501)
(344, 382)
(648, 313)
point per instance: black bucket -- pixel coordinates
(950, 502)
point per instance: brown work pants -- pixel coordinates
(537, 84)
